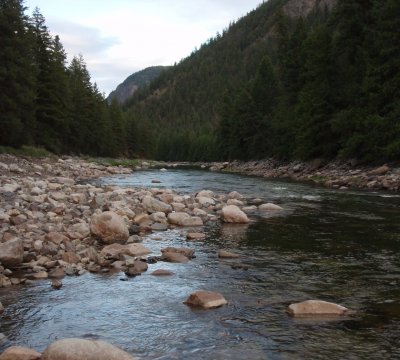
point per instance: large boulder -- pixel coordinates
(184, 219)
(20, 353)
(12, 252)
(82, 349)
(232, 214)
(153, 205)
(206, 299)
(316, 308)
(110, 227)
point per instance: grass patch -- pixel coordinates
(25, 151)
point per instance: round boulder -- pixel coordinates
(79, 349)
(232, 214)
(20, 353)
(110, 227)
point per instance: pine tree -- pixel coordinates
(52, 95)
(17, 81)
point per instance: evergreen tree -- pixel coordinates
(17, 81)
(52, 95)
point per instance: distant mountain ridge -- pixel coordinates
(134, 82)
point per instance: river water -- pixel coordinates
(339, 246)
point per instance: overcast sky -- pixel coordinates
(120, 37)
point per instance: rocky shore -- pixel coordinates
(332, 174)
(54, 223)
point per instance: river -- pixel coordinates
(339, 246)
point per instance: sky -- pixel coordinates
(120, 37)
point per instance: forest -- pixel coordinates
(325, 84)
(43, 101)
(322, 85)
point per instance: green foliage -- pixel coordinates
(326, 85)
(45, 103)
(25, 151)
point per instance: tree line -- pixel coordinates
(46, 102)
(323, 85)
(331, 89)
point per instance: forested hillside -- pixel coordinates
(135, 82)
(292, 79)
(45, 102)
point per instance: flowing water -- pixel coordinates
(339, 246)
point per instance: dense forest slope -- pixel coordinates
(292, 79)
(134, 82)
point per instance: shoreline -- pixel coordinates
(341, 175)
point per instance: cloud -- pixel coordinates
(81, 39)
(117, 38)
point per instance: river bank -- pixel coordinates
(331, 174)
(322, 240)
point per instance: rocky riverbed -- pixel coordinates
(54, 223)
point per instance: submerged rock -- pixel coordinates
(162, 272)
(206, 299)
(227, 255)
(195, 236)
(270, 207)
(232, 214)
(316, 308)
(56, 284)
(82, 349)
(20, 353)
(110, 227)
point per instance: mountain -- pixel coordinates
(134, 82)
(293, 79)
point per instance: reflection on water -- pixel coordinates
(336, 246)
